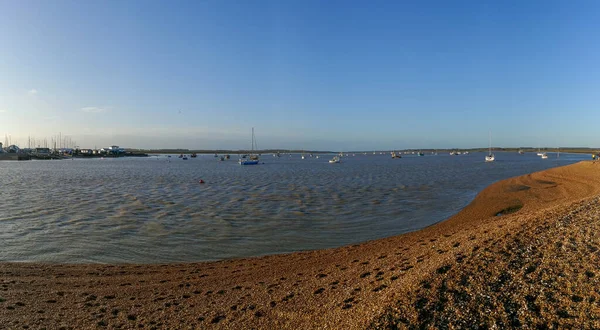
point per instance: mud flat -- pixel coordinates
(524, 253)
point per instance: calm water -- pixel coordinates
(150, 210)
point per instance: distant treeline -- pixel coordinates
(224, 151)
(274, 151)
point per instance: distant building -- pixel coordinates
(115, 150)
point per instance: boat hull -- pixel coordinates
(248, 162)
(13, 156)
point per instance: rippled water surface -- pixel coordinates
(151, 210)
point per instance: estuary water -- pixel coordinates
(154, 210)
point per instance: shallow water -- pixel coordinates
(151, 210)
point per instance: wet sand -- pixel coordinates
(534, 265)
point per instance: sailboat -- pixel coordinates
(490, 157)
(253, 160)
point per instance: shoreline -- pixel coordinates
(374, 283)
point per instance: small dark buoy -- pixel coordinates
(201, 181)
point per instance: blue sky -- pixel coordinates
(329, 75)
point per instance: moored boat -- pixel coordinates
(490, 157)
(253, 159)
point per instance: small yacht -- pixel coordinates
(490, 157)
(544, 156)
(253, 159)
(334, 160)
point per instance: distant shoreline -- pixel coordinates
(426, 151)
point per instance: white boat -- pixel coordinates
(540, 153)
(334, 160)
(544, 156)
(253, 160)
(490, 157)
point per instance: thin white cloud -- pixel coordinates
(33, 91)
(94, 109)
(3, 111)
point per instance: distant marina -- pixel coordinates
(13, 152)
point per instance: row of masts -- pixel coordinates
(55, 142)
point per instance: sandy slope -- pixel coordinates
(475, 268)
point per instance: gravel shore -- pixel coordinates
(523, 254)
